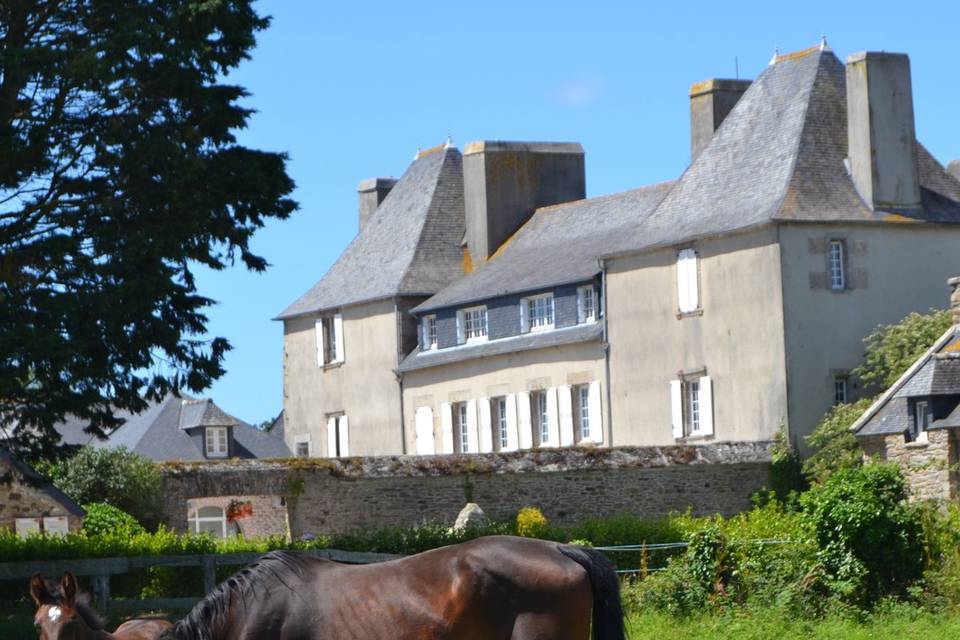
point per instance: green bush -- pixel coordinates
(835, 447)
(118, 477)
(891, 349)
(870, 540)
(103, 519)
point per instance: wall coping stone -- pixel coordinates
(536, 461)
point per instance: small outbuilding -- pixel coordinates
(30, 504)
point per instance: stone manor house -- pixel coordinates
(486, 305)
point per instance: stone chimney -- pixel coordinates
(504, 182)
(881, 141)
(954, 169)
(370, 193)
(954, 283)
(710, 102)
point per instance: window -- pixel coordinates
(537, 313)
(500, 416)
(922, 417)
(688, 291)
(692, 393)
(582, 397)
(429, 337)
(839, 389)
(301, 446)
(837, 279)
(543, 418)
(461, 427)
(338, 437)
(216, 442)
(329, 340)
(211, 521)
(472, 324)
(691, 400)
(586, 304)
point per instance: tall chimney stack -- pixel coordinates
(710, 102)
(504, 182)
(370, 193)
(954, 169)
(881, 141)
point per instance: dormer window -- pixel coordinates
(428, 339)
(536, 313)
(216, 442)
(586, 304)
(922, 417)
(472, 325)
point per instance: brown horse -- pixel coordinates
(491, 588)
(63, 614)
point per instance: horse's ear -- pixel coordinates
(39, 592)
(68, 585)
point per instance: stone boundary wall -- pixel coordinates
(568, 485)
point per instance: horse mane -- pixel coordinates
(81, 605)
(208, 616)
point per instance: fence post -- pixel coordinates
(209, 573)
(101, 592)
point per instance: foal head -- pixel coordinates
(61, 613)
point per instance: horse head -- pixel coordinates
(61, 615)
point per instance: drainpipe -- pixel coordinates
(606, 346)
(399, 376)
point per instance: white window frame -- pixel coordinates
(472, 324)
(428, 338)
(462, 427)
(688, 281)
(586, 312)
(299, 440)
(329, 340)
(338, 436)
(540, 313)
(921, 420)
(836, 261)
(214, 436)
(502, 436)
(194, 519)
(583, 411)
(840, 389)
(543, 419)
(691, 399)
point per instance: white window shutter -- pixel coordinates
(524, 424)
(581, 316)
(683, 281)
(706, 406)
(524, 315)
(338, 337)
(553, 421)
(446, 427)
(565, 409)
(331, 437)
(473, 441)
(513, 435)
(595, 409)
(461, 336)
(321, 341)
(426, 444)
(486, 431)
(693, 286)
(676, 408)
(344, 436)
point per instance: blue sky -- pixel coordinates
(350, 90)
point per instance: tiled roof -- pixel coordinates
(939, 376)
(560, 244)
(525, 342)
(410, 245)
(160, 432)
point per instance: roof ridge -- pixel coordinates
(606, 196)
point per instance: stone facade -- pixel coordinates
(930, 467)
(267, 517)
(26, 497)
(568, 485)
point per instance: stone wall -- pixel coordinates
(568, 485)
(929, 467)
(268, 514)
(27, 497)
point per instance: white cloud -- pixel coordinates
(579, 92)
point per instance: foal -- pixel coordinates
(62, 614)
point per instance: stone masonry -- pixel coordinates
(268, 514)
(26, 497)
(929, 467)
(569, 485)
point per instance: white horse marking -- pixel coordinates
(54, 613)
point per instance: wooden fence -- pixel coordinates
(100, 570)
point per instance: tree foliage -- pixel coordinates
(103, 519)
(119, 173)
(835, 447)
(117, 477)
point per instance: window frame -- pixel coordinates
(502, 435)
(543, 418)
(837, 264)
(841, 389)
(583, 412)
(692, 407)
(549, 319)
(195, 521)
(428, 332)
(216, 432)
(688, 279)
(302, 440)
(918, 431)
(461, 427)
(583, 316)
(465, 315)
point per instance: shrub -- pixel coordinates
(786, 467)
(870, 540)
(531, 523)
(102, 519)
(118, 477)
(891, 349)
(835, 447)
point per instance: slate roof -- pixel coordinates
(30, 476)
(526, 342)
(161, 432)
(936, 372)
(560, 244)
(410, 245)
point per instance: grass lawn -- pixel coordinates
(904, 623)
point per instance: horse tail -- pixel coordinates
(608, 621)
